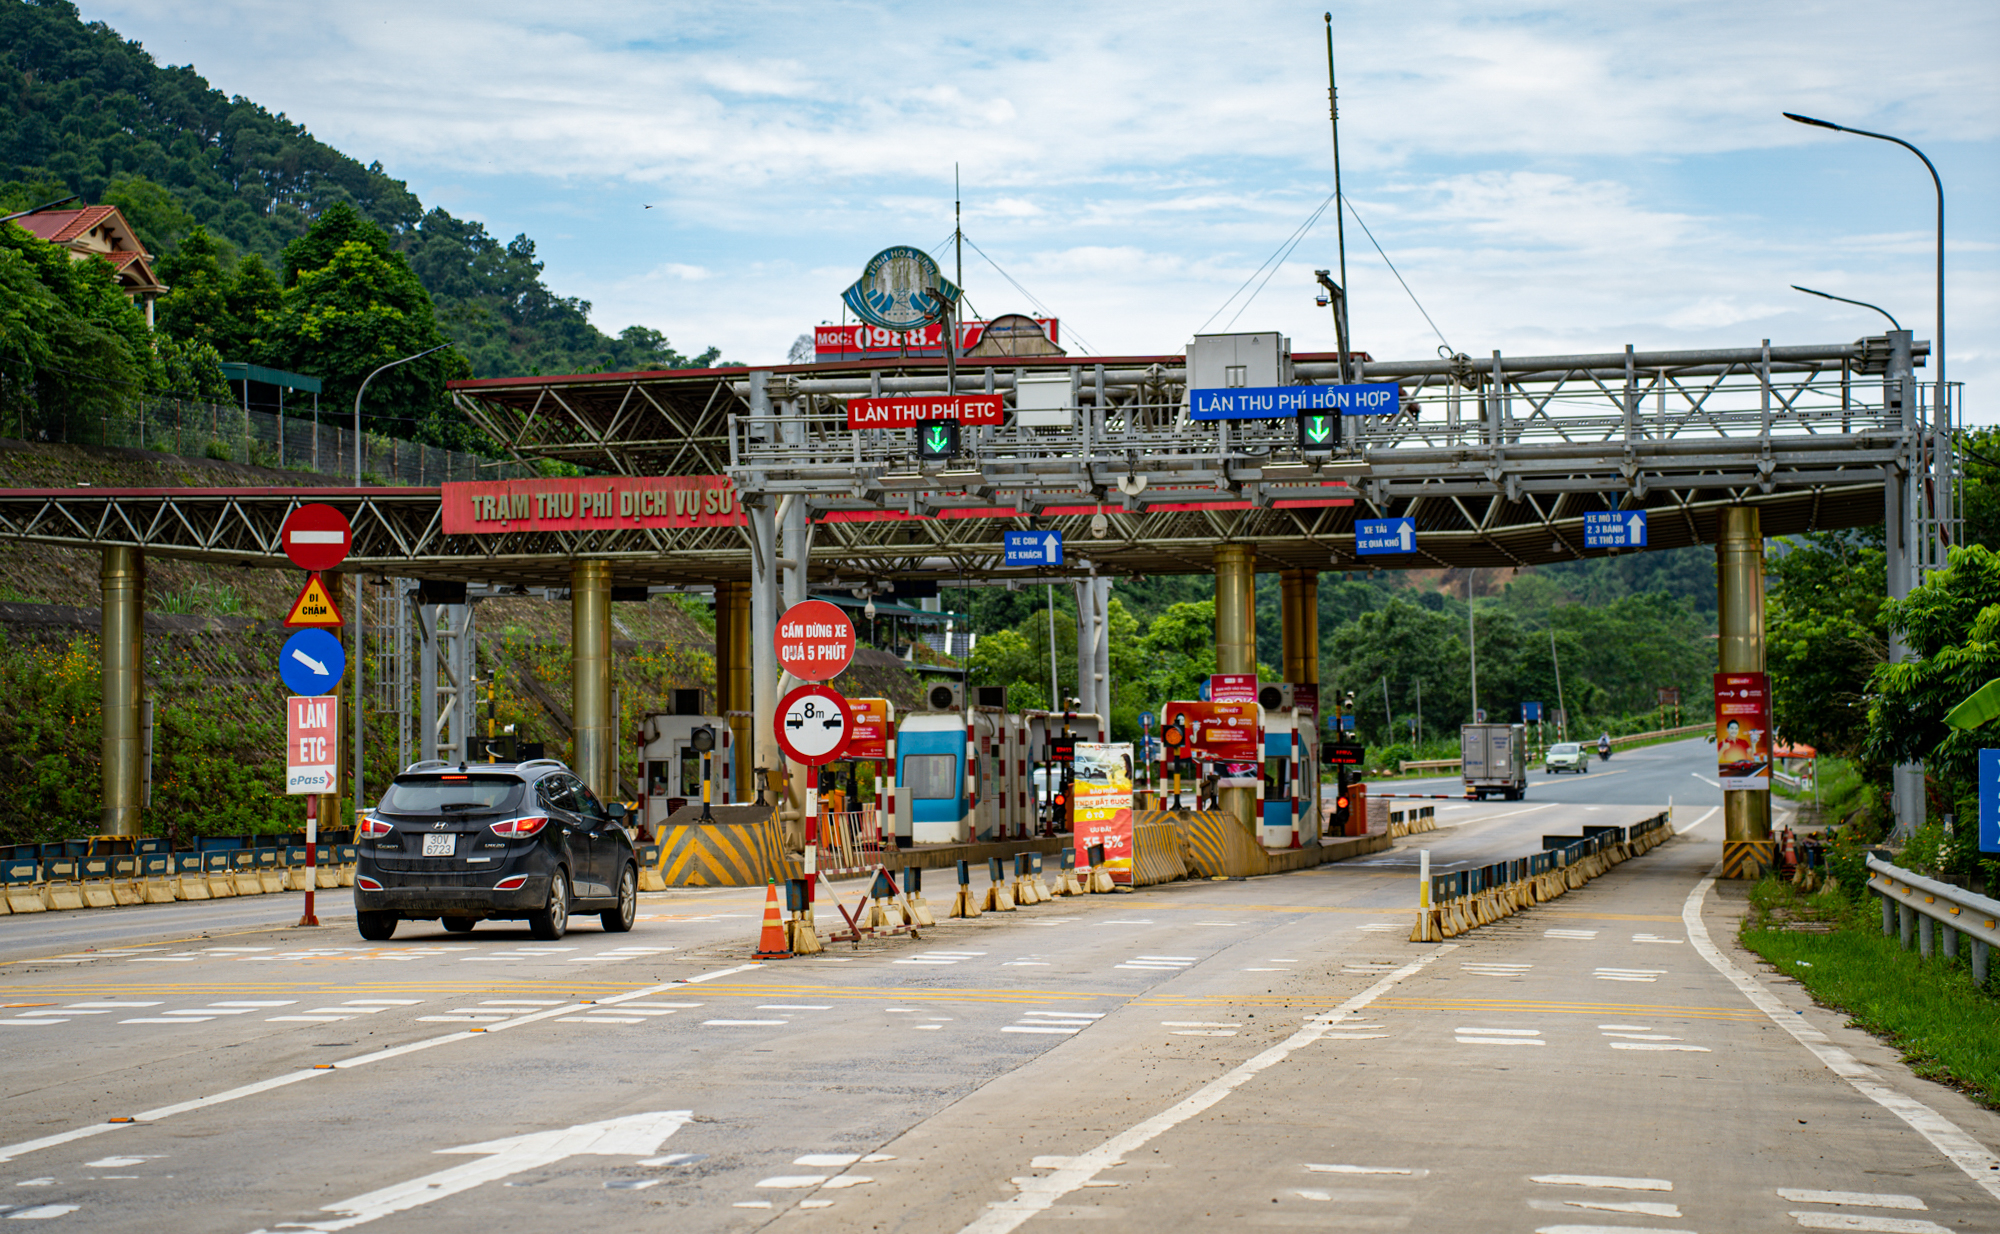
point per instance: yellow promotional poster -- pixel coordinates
(1101, 790)
(315, 606)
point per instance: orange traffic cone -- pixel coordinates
(771, 943)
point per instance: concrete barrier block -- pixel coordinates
(97, 894)
(126, 891)
(345, 878)
(62, 897)
(157, 890)
(329, 876)
(274, 881)
(26, 899)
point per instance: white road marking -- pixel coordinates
(1611, 1182)
(1364, 1169)
(1705, 780)
(1630, 974)
(1978, 1162)
(1044, 1028)
(107, 1006)
(42, 1211)
(1583, 935)
(1628, 1028)
(1204, 1032)
(119, 1163)
(1379, 927)
(1641, 1036)
(1040, 1194)
(1199, 1024)
(1860, 1221)
(793, 1182)
(1859, 1199)
(635, 1135)
(1654, 938)
(847, 1180)
(744, 1023)
(927, 1028)
(1642, 1208)
(1502, 1032)
(1712, 812)
(1500, 1041)
(383, 1002)
(1067, 1015)
(752, 1204)
(1643, 1045)
(1605, 1229)
(796, 1007)
(170, 1019)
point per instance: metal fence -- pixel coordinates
(262, 439)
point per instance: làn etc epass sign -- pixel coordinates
(586, 503)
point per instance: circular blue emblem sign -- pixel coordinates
(901, 289)
(312, 662)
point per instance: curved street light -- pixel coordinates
(1936, 183)
(364, 389)
(1827, 295)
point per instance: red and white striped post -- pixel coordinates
(312, 858)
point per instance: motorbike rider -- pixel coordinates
(1604, 745)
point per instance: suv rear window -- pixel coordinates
(451, 794)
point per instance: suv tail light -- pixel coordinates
(366, 884)
(375, 827)
(511, 884)
(518, 827)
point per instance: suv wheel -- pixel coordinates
(553, 920)
(460, 925)
(620, 919)
(376, 927)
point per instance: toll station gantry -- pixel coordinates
(1497, 462)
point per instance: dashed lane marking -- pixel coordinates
(1499, 1036)
(1610, 1182)
(1577, 935)
(1630, 974)
(1655, 938)
(1638, 1208)
(1364, 1169)
(1862, 1221)
(1858, 1199)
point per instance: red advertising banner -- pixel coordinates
(904, 412)
(1232, 687)
(1217, 732)
(1101, 805)
(588, 503)
(1743, 731)
(868, 728)
(857, 342)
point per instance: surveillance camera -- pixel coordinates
(1100, 526)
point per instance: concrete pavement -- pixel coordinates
(1268, 1052)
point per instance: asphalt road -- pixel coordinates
(1268, 1052)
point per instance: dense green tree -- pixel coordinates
(1952, 626)
(196, 305)
(1979, 452)
(191, 368)
(155, 214)
(74, 345)
(1825, 634)
(254, 295)
(350, 305)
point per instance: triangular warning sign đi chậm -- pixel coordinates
(315, 606)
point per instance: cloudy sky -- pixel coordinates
(1567, 177)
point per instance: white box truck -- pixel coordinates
(1496, 760)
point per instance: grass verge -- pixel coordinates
(1947, 1028)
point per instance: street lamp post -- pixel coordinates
(364, 389)
(1938, 184)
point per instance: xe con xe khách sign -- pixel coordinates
(1286, 402)
(589, 503)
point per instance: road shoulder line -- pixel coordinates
(1962, 1150)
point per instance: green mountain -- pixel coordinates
(84, 111)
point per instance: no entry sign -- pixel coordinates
(815, 641)
(813, 724)
(312, 732)
(317, 537)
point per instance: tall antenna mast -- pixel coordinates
(1339, 206)
(958, 227)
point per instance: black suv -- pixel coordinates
(494, 841)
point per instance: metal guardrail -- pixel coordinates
(1915, 905)
(1405, 766)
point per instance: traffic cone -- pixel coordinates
(771, 943)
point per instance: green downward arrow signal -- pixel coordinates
(1317, 428)
(937, 438)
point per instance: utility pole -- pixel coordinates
(1055, 693)
(1562, 710)
(1339, 202)
(1472, 642)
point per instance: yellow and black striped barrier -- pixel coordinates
(1749, 858)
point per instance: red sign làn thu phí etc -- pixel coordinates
(312, 744)
(906, 412)
(588, 503)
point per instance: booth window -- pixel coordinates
(931, 777)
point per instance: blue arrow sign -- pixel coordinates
(1385, 535)
(1989, 801)
(1145, 719)
(1614, 529)
(312, 663)
(1286, 402)
(1033, 548)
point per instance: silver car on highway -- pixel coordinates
(1566, 756)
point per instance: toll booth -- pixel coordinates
(1046, 779)
(673, 767)
(1289, 812)
(931, 783)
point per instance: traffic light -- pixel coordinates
(1319, 432)
(702, 740)
(937, 440)
(1343, 805)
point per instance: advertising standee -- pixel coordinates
(1743, 731)
(1101, 811)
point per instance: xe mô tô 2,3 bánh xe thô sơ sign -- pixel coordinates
(586, 503)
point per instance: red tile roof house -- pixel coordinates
(101, 231)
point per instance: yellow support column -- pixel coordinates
(1299, 613)
(1739, 556)
(123, 583)
(1236, 647)
(732, 680)
(590, 675)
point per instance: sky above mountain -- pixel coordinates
(1568, 177)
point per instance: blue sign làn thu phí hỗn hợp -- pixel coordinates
(1385, 535)
(1286, 402)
